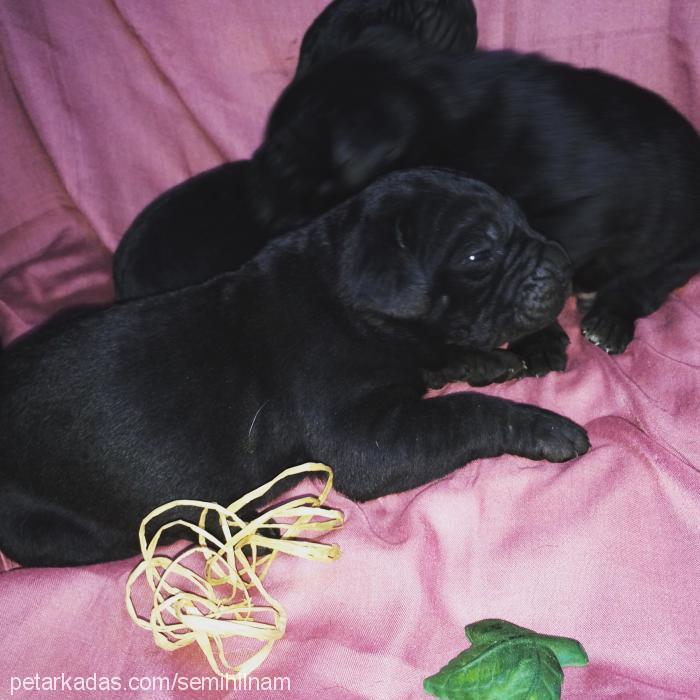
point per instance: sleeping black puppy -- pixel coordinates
(315, 350)
(192, 232)
(204, 225)
(447, 25)
(606, 168)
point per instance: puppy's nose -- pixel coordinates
(541, 300)
(542, 296)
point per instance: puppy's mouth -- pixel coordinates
(539, 307)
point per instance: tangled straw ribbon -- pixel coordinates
(219, 601)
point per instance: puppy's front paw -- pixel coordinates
(542, 352)
(585, 301)
(478, 369)
(607, 330)
(494, 368)
(547, 435)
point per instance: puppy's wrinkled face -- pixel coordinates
(329, 135)
(435, 248)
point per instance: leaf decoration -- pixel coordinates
(569, 652)
(506, 662)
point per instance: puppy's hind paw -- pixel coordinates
(607, 330)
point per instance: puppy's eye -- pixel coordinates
(477, 256)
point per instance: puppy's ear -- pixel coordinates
(379, 274)
(370, 141)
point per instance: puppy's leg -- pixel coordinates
(396, 443)
(542, 352)
(609, 323)
(477, 367)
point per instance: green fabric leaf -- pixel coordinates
(569, 652)
(512, 669)
(506, 662)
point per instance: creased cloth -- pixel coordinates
(103, 105)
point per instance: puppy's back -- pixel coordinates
(114, 374)
(110, 413)
(615, 157)
(196, 230)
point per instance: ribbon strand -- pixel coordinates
(220, 601)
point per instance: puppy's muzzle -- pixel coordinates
(543, 293)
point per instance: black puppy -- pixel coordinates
(447, 25)
(313, 351)
(204, 225)
(192, 232)
(606, 168)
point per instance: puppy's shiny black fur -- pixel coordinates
(606, 168)
(447, 25)
(315, 350)
(192, 232)
(204, 225)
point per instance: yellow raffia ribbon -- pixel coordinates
(206, 614)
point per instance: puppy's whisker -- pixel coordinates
(255, 417)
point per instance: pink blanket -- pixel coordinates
(105, 104)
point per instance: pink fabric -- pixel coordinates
(105, 104)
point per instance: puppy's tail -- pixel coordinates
(35, 532)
